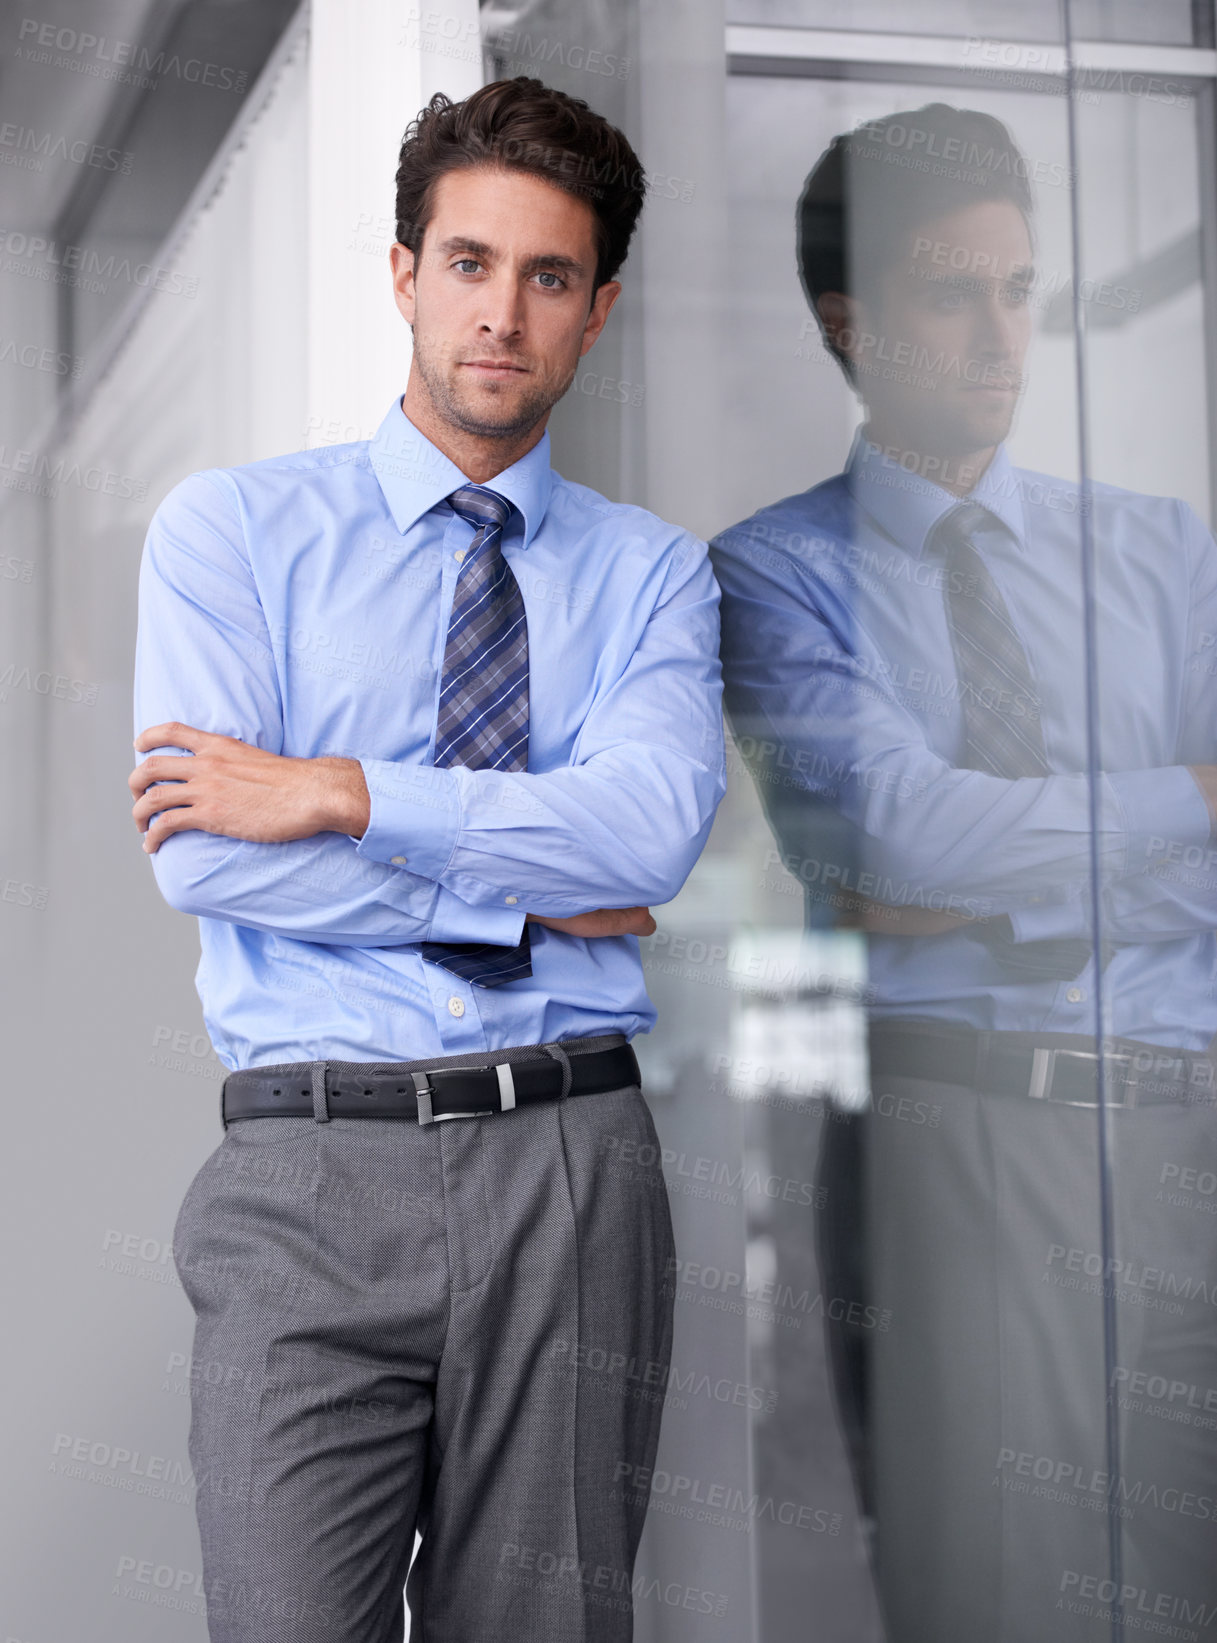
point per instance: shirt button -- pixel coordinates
(1075, 995)
(459, 555)
(511, 900)
(456, 1006)
(398, 861)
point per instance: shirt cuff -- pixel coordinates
(456, 920)
(1050, 919)
(414, 818)
(1164, 812)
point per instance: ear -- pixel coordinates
(841, 317)
(401, 260)
(602, 304)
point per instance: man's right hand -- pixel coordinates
(878, 918)
(1205, 777)
(605, 921)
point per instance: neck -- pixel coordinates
(956, 471)
(478, 457)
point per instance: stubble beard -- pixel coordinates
(457, 408)
(959, 430)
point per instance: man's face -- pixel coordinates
(501, 299)
(954, 318)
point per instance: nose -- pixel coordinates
(1001, 330)
(502, 309)
(1001, 335)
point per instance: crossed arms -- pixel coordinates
(229, 788)
(373, 852)
(939, 847)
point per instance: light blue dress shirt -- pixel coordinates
(301, 604)
(842, 688)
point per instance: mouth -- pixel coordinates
(991, 387)
(493, 370)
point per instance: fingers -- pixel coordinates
(159, 768)
(160, 826)
(166, 797)
(173, 734)
(878, 918)
(604, 921)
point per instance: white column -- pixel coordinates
(371, 69)
(686, 264)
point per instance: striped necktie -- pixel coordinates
(1001, 712)
(1001, 707)
(483, 700)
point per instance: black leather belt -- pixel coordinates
(426, 1091)
(1044, 1066)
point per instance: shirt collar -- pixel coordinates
(908, 506)
(414, 474)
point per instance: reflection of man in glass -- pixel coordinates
(906, 649)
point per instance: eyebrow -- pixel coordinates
(1022, 274)
(549, 259)
(458, 242)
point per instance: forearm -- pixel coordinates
(1174, 901)
(622, 830)
(1167, 892)
(254, 835)
(621, 823)
(918, 830)
(318, 890)
(815, 708)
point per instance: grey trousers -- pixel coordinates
(459, 1328)
(987, 1392)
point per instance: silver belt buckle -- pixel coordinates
(1120, 1093)
(507, 1095)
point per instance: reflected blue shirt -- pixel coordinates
(301, 604)
(843, 693)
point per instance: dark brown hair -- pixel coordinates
(873, 184)
(524, 125)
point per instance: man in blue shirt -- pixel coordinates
(408, 709)
(909, 657)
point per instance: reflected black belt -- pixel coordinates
(1042, 1066)
(426, 1091)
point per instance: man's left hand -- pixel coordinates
(227, 786)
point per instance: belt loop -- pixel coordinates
(563, 1060)
(321, 1111)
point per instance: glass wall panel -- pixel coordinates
(1145, 221)
(953, 730)
(1165, 22)
(913, 711)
